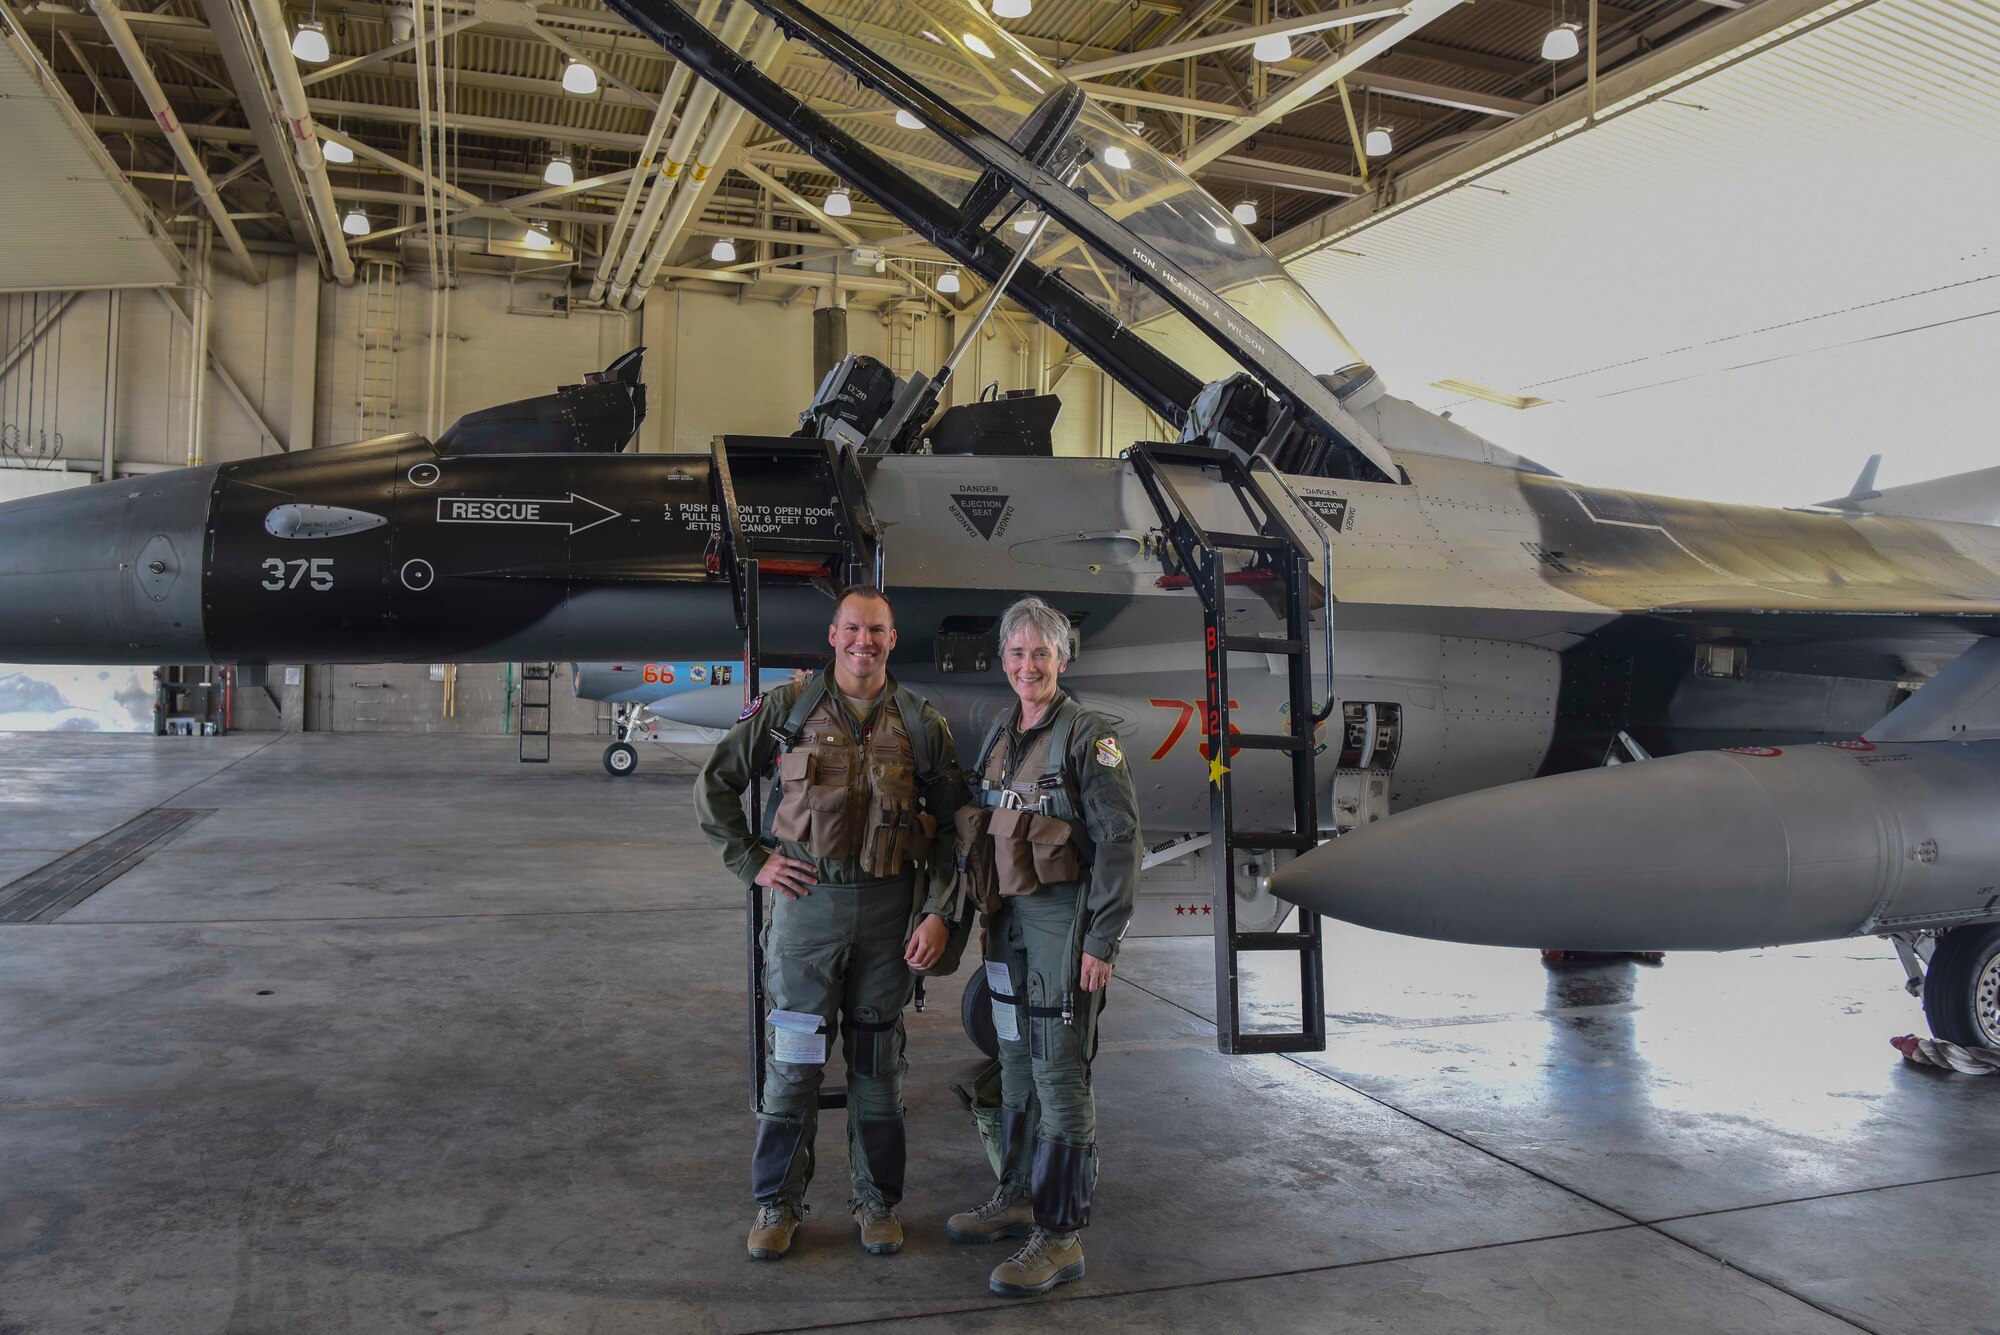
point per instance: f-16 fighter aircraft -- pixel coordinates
(643, 695)
(1496, 622)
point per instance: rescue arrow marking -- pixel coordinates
(522, 510)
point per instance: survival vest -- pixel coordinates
(1024, 831)
(848, 797)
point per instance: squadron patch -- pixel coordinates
(1108, 754)
(754, 706)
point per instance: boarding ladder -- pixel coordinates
(1275, 555)
(533, 711)
(847, 551)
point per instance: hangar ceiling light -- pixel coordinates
(356, 222)
(1272, 48)
(335, 152)
(309, 43)
(560, 171)
(579, 78)
(1561, 43)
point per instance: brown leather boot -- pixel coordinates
(1049, 1259)
(881, 1230)
(771, 1235)
(1007, 1215)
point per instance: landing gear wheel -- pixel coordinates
(620, 759)
(975, 1012)
(1962, 987)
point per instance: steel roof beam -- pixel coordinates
(1378, 39)
(1230, 38)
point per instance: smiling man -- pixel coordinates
(857, 854)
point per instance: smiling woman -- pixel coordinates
(1053, 846)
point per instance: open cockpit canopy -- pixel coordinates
(940, 115)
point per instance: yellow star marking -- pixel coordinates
(1216, 769)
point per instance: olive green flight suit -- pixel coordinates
(1047, 1023)
(833, 960)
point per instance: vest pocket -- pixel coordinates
(1013, 855)
(1054, 855)
(832, 833)
(890, 838)
(794, 815)
(974, 876)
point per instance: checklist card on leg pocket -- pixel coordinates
(997, 982)
(795, 1038)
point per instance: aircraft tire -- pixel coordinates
(1962, 987)
(975, 1012)
(620, 759)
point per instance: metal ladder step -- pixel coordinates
(1255, 839)
(1262, 644)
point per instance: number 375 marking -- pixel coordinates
(316, 573)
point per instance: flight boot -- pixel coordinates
(881, 1230)
(771, 1234)
(1049, 1259)
(1007, 1215)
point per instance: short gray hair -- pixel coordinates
(1045, 621)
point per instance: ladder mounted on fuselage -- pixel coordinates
(846, 550)
(1276, 555)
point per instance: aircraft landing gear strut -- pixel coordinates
(621, 758)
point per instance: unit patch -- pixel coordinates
(755, 705)
(1108, 754)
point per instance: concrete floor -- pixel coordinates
(409, 1037)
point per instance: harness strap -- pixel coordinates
(872, 1026)
(1034, 1012)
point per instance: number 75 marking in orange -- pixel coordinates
(1187, 712)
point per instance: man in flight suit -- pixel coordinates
(867, 781)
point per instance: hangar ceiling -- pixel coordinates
(80, 225)
(487, 108)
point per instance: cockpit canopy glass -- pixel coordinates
(956, 50)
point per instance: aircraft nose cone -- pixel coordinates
(1687, 852)
(109, 573)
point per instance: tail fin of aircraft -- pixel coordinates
(1964, 498)
(1960, 704)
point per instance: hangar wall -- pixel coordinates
(714, 362)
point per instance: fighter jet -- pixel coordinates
(643, 695)
(1495, 622)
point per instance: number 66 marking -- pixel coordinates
(317, 573)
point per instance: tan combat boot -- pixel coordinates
(881, 1231)
(1007, 1215)
(771, 1235)
(1049, 1259)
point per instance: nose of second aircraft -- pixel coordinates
(109, 573)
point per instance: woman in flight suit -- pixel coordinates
(1052, 849)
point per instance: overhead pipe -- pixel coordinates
(270, 23)
(676, 85)
(713, 147)
(120, 32)
(679, 150)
